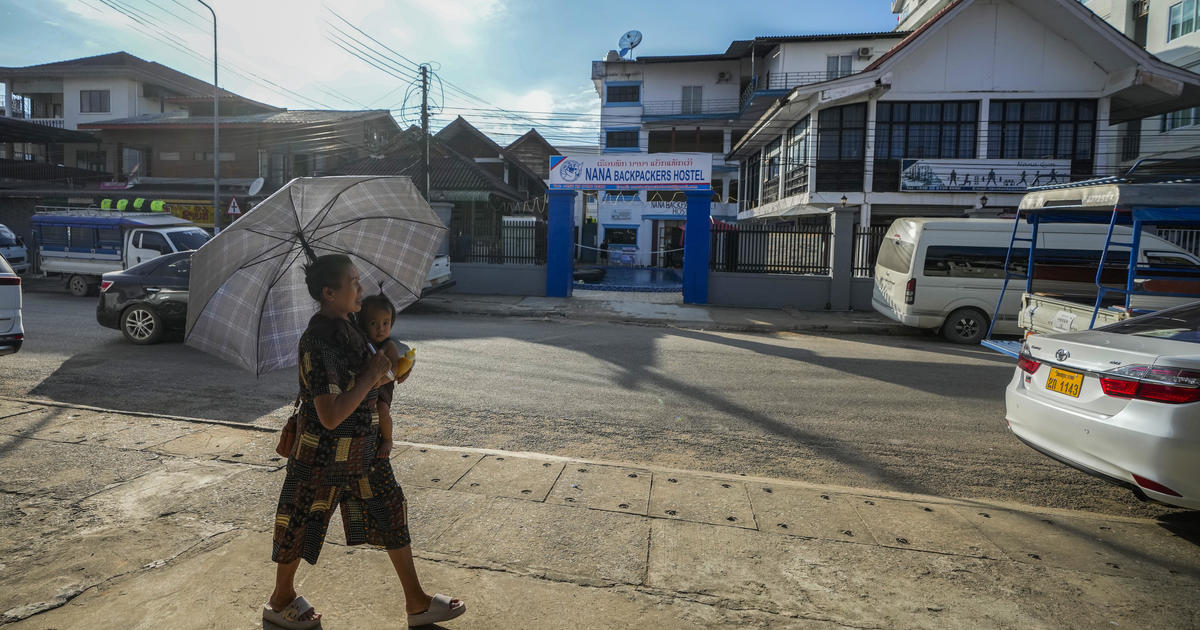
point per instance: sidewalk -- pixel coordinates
(663, 309)
(114, 521)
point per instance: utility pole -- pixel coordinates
(425, 125)
(216, 130)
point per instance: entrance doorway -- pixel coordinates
(667, 249)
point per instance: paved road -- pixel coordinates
(906, 414)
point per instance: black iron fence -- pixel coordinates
(513, 241)
(867, 240)
(792, 249)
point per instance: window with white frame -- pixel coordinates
(837, 66)
(1182, 118)
(691, 100)
(1182, 19)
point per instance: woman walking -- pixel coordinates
(337, 460)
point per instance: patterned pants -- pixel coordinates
(374, 511)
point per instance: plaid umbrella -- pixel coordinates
(248, 303)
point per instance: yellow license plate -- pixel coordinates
(1064, 382)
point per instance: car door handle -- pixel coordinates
(152, 289)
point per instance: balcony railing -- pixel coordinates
(787, 81)
(689, 108)
(57, 123)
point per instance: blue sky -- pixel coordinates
(521, 55)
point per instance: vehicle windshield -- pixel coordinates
(7, 238)
(189, 239)
(4, 268)
(1180, 324)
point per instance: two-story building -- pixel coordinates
(984, 99)
(704, 103)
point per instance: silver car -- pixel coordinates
(1121, 402)
(12, 333)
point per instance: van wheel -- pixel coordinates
(141, 325)
(80, 286)
(966, 326)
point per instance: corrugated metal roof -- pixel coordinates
(288, 117)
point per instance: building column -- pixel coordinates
(981, 140)
(559, 265)
(1107, 149)
(869, 148)
(841, 257)
(696, 247)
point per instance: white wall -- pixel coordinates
(122, 100)
(998, 48)
(812, 56)
(665, 81)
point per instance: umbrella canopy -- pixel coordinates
(248, 303)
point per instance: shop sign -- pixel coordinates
(658, 171)
(981, 175)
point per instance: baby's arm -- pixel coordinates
(389, 349)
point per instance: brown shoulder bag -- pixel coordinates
(291, 429)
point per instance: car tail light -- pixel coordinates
(105, 284)
(10, 281)
(1028, 365)
(910, 291)
(1155, 486)
(1159, 384)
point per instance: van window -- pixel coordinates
(1159, 259)
(53, 235)
(954, 261)
(83, 238)
(896, 254)
(155, 241)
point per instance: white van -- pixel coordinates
(12, 248)
(947, 273)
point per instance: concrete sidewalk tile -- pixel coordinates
(432, 468)
(145, 433)
(807, 512)
(79, 563)
(176, 486)
(80, 427)
(34, 420)
(1087, 545)
(507, 476)
(431, 512)
(610, 488)
(871, 586)
(228, 444)
(563, 542)
(701, 499)
(67, 471)
(14, 407)
(933, 527)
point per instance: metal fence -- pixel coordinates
(867, 240)
(1188, 239)
(791, 249)
(514, 241)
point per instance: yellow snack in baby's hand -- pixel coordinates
(405, 363)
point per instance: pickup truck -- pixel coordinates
(82, 245)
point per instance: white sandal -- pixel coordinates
(289, 617)
(439, 610)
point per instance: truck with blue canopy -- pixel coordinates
(1127, 278)
(83, 244)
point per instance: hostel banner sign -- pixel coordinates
(981, 175)
(636, 171)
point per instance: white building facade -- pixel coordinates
(985, 99)
(703, 103)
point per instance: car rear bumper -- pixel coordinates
(107, 317)
(10, 344)
(916, 321)
(1151, 440)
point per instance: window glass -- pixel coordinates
(7, 238)
(971, 262)
(1042, 130)
(83, 238)
(624, 93)
(929, 130)
(691, 99)
(1168, 258)
(1175, 20)
(1181, 324)
(179, 268)
(4, 268)
(896, 254)
(189, 239)
(621, 236)
(621, 139)
(93, 101)
(55, 235)
(156, 242)
(108, 238)
(1189, 17)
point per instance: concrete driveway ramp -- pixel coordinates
(432, 468)
(701, 500)
(515, 477)
(609, 488)
(925, 526)
(811, 513)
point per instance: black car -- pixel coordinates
(147, 301)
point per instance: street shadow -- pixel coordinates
(167, 378)
(1184, 524)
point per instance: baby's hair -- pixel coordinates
(377, 302)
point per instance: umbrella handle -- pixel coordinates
(391, 377)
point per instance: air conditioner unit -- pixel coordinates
(864, 52)
(723, 77)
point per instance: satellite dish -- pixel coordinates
(629, 41)
(256, 186)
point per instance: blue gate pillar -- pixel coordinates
(559, 234)
(696, 245)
